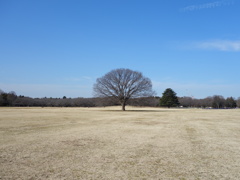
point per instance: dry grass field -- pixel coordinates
(106, 143)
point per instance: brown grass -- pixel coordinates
(106, 143)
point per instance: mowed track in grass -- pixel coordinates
(106, 143)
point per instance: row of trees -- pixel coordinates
(11, 99)
(7, 99)
(216, 101)
(168, 99)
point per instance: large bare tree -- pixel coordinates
(123, 84)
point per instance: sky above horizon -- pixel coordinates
(59, 48)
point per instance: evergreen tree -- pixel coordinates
(169, 98)
(231, 103)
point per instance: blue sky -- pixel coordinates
(58, 48)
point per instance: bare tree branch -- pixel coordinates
(123, 84)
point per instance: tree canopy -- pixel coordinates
(123, 84)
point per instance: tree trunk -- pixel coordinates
(123, 105)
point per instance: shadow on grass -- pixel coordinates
(140, 110)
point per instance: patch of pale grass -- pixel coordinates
(106, 143)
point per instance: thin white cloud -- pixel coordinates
(221, 45)
(208, 5)
(74, 79)
(87, 77)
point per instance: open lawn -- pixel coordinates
(106, 143)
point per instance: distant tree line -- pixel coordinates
(11, 99)
(217, 101)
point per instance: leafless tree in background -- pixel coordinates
(123, 84)
(1, 98)
(238, 102)
(218, 101)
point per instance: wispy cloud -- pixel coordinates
(75, 79)
(221, 45)
(208, 5)
(87, 77)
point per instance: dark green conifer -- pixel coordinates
(169, 99)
